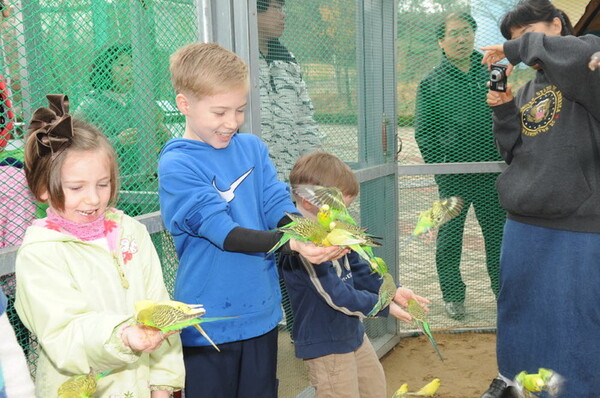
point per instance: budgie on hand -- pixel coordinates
(387, 291)
(528, 385)
(172, 315)
(441, 212)
(420, 320)
(81, 386)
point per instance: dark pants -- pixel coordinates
(243, 369)
(480, 191)
(548, 307)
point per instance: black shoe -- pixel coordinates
(455, 309)
(496, 390)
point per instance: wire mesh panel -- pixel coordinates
(111, 59)
(313, 96)
(444, 118)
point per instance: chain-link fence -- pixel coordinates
(326, 71)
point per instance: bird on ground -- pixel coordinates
(401, 392)
(173, 315)
(81, 386)
(428, 390)
(419, 318)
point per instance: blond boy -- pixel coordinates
(221, 200)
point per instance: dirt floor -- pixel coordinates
(468, 369)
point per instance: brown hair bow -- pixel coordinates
(53, 126)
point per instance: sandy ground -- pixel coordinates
(468, 369)
(466, 372)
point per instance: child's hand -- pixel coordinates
(404, 294)
(160, 394)
(399, 313)
(317, 254)
(143, 338)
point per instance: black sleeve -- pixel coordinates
(255, 241)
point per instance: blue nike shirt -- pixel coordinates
(205, 193)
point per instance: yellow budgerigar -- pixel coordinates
(401, 392)
(529, 384)
(172, 315)
(428, 390)
(81, 386)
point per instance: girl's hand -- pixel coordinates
(317, 254)
(495, 98)
(160, 394)
(143, 338)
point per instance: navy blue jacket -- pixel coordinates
(329, 301)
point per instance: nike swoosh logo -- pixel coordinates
(229, 194)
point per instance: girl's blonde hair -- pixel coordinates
(206, 69)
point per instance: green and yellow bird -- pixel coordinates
(172, 315)
(387, 291)
(364, 249)
(401, 392)
(529, 384)
(81, 386)
(329, 201)
(441, 212)
(419, 317)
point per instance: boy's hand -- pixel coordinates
(318, 254)
(404, 294)
(143, 338)
(399, 313)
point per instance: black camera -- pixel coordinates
(498, 77)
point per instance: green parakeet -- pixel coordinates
(387, 291)
(329, 201)
(420, 320)
(303, 229)
(441, 212)
(81, 386)
(363, 249)
(172, 315)
(528, 385)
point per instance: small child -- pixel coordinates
(330, 300)
(14, 373)
(81, 269)
(221, 201)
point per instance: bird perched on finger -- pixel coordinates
(428, 390)
(441, 212)
(81, 386)
(173, 315)
(419, 318)
(387, 291)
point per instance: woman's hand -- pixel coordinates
(495, 98)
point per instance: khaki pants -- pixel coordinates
(358, 374)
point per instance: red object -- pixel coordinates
(177, 394)
(6, 114)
